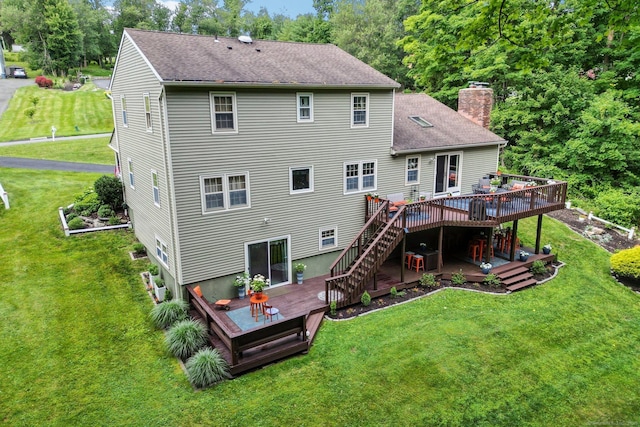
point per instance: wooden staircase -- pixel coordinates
(516, 279)
(358, 263)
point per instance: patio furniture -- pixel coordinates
(257, 304)
(473, 250)
(408, 256)
(223, 304)
(418, 262)
(269, 311)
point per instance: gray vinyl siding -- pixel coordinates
(268, 142)
(133, 78)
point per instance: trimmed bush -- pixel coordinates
(87, 203)
(365, 299)
(166, 314)
(207, 367)
(626, 263)
(105, 211)
(186, 337)
(109, 190)
(76, 224)
(538, 267)
(70, 216)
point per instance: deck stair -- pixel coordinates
(314, 320)
(359, 262)
(516, 279)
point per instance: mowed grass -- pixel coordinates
(86, 150)
(77, 346)
(87, 108)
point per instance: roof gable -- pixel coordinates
(192, 59)
(449, 130)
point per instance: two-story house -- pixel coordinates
(241, 155)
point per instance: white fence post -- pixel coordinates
(5, 197)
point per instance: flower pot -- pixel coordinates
(486, 270)
(369, 198)
(546, 251)
(258, 294)
(241, 291)
(299, 277)
(523, 258)
(160, 292)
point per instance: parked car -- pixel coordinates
(19, 73)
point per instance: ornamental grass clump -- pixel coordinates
(207, 367)
(168, 313)
(186, 337)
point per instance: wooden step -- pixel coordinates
(510, 273)
(314, 321)
(521, 285)
(516, 279)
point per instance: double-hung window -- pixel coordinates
(305, 107)
(224, 192)
(328, 238)
(413, 171)
(223, 110)
(123, 103)
(162, 252)
(147, 112)
(301, 179)
(132, 182)
(156, 189)
(359, 110)
(360, 176)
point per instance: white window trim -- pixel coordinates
(366, 125)
(123, 110)
(406, 171)
(148, 124)
(161, 253)
(132, 177)
(306, 190)
(335, 238)
(225, 192)
(298, 106)
(155, 189)
(360, 189)
(212, 107)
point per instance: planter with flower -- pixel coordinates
(376, 197)
(524, 256)
(159, 289)
(299, 268)
(485, 267)
(258, 283)
(242, 282)
(546, 249)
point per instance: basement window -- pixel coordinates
(422, 122)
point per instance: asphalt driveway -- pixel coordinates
(8, 88)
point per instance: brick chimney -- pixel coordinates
(475, 103)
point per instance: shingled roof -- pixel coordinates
(449, 130)
(205, 59)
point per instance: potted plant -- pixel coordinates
(546, 249)
(369, 196)
(299, 269)
(154, 273)
(258, 283)
(524, 255)
(485, 267)
(241, 282)
(159, 289)
(496, 182)
(376, 197)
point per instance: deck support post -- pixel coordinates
(487, 256)
(514, 236)
(539, 233)
(403, 257)
(440, 238)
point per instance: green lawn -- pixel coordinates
(89, 150)
(77, 346)
(87, 108)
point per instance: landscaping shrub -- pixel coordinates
(395, 294)
(44, 82)
(114, 220)
(538, 267)
(139, 249)
(70, 216)
(491, 280)
(618, 206)
(365, 299)
(109, 191)
(186, 337)
(458, 278)
(76, 224)
(87, 203)
(333, 307)
(626, 263)
(428, 279)
(105, 211)
(206, 367)
(166, 314)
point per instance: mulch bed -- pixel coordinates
(420, 291)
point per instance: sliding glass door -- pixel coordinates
(269, 258)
